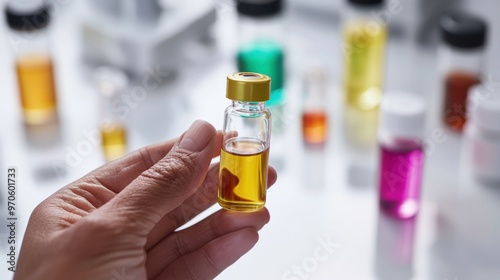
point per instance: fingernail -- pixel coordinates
(197, 136)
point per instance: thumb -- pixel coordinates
(165, 186)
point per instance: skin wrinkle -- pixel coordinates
(121, 172)
(214, 227)
(175, 172)
(82, 196)
(182, 247)
(70, 217)
(101, 187)
(187, 268)
(145, 214)
(146, 157)
(209, 258)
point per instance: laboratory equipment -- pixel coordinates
(461, 56)
(261, 50)
(245, 149)
(314, 113)
(144, 38)
(111, 84)
(482, 134)
(28, 22)
(401, 153)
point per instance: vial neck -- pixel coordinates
(249, 106)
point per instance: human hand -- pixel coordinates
(120, 220)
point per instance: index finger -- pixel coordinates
(119, 173)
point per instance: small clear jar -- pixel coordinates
(111, 84)
(246, 139)
(461, 63)
(28, 23)
(314, 113)
(402, 121)
(482, 134)
(260, 31)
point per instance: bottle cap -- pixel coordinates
(27, 15)
(248, 86)
(402, 115)
(259, 8)
(463, 30)
(366, 2)
(483, 107)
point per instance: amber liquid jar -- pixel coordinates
(461, 55)
(28, 23)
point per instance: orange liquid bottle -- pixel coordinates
(314, 115)
(461, 61)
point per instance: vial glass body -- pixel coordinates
(35, 75)
(110, 85)
(461, 69)
(261, 51)
(363, 52)
(314, 113)
(244, 156)
(400, 176)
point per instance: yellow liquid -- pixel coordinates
(113, 141)
(364, 63)
(243, 174)
(36, 88)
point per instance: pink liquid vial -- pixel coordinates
(400, 180)
(400, 136)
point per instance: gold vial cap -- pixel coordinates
(248, 86)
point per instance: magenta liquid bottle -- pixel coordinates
(401, 131)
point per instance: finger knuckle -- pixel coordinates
(175, 171)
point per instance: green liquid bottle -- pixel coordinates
(260, 49)
(264, 57)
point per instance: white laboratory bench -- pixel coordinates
(325, 222)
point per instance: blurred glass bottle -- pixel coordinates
(402, 120)
(461, 56)
(482, 134)
(314, 113)
(111, 84)
(363, 50)
(260, 48)
(364, 39)
(28, 22)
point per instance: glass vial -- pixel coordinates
(28, 23)
(482, 134)
(260, 27)
(364, 40)
(401, 131)
(245, 149)
(461, 55)
(111, 84)
(314, 114)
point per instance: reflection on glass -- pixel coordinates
(394, 251)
